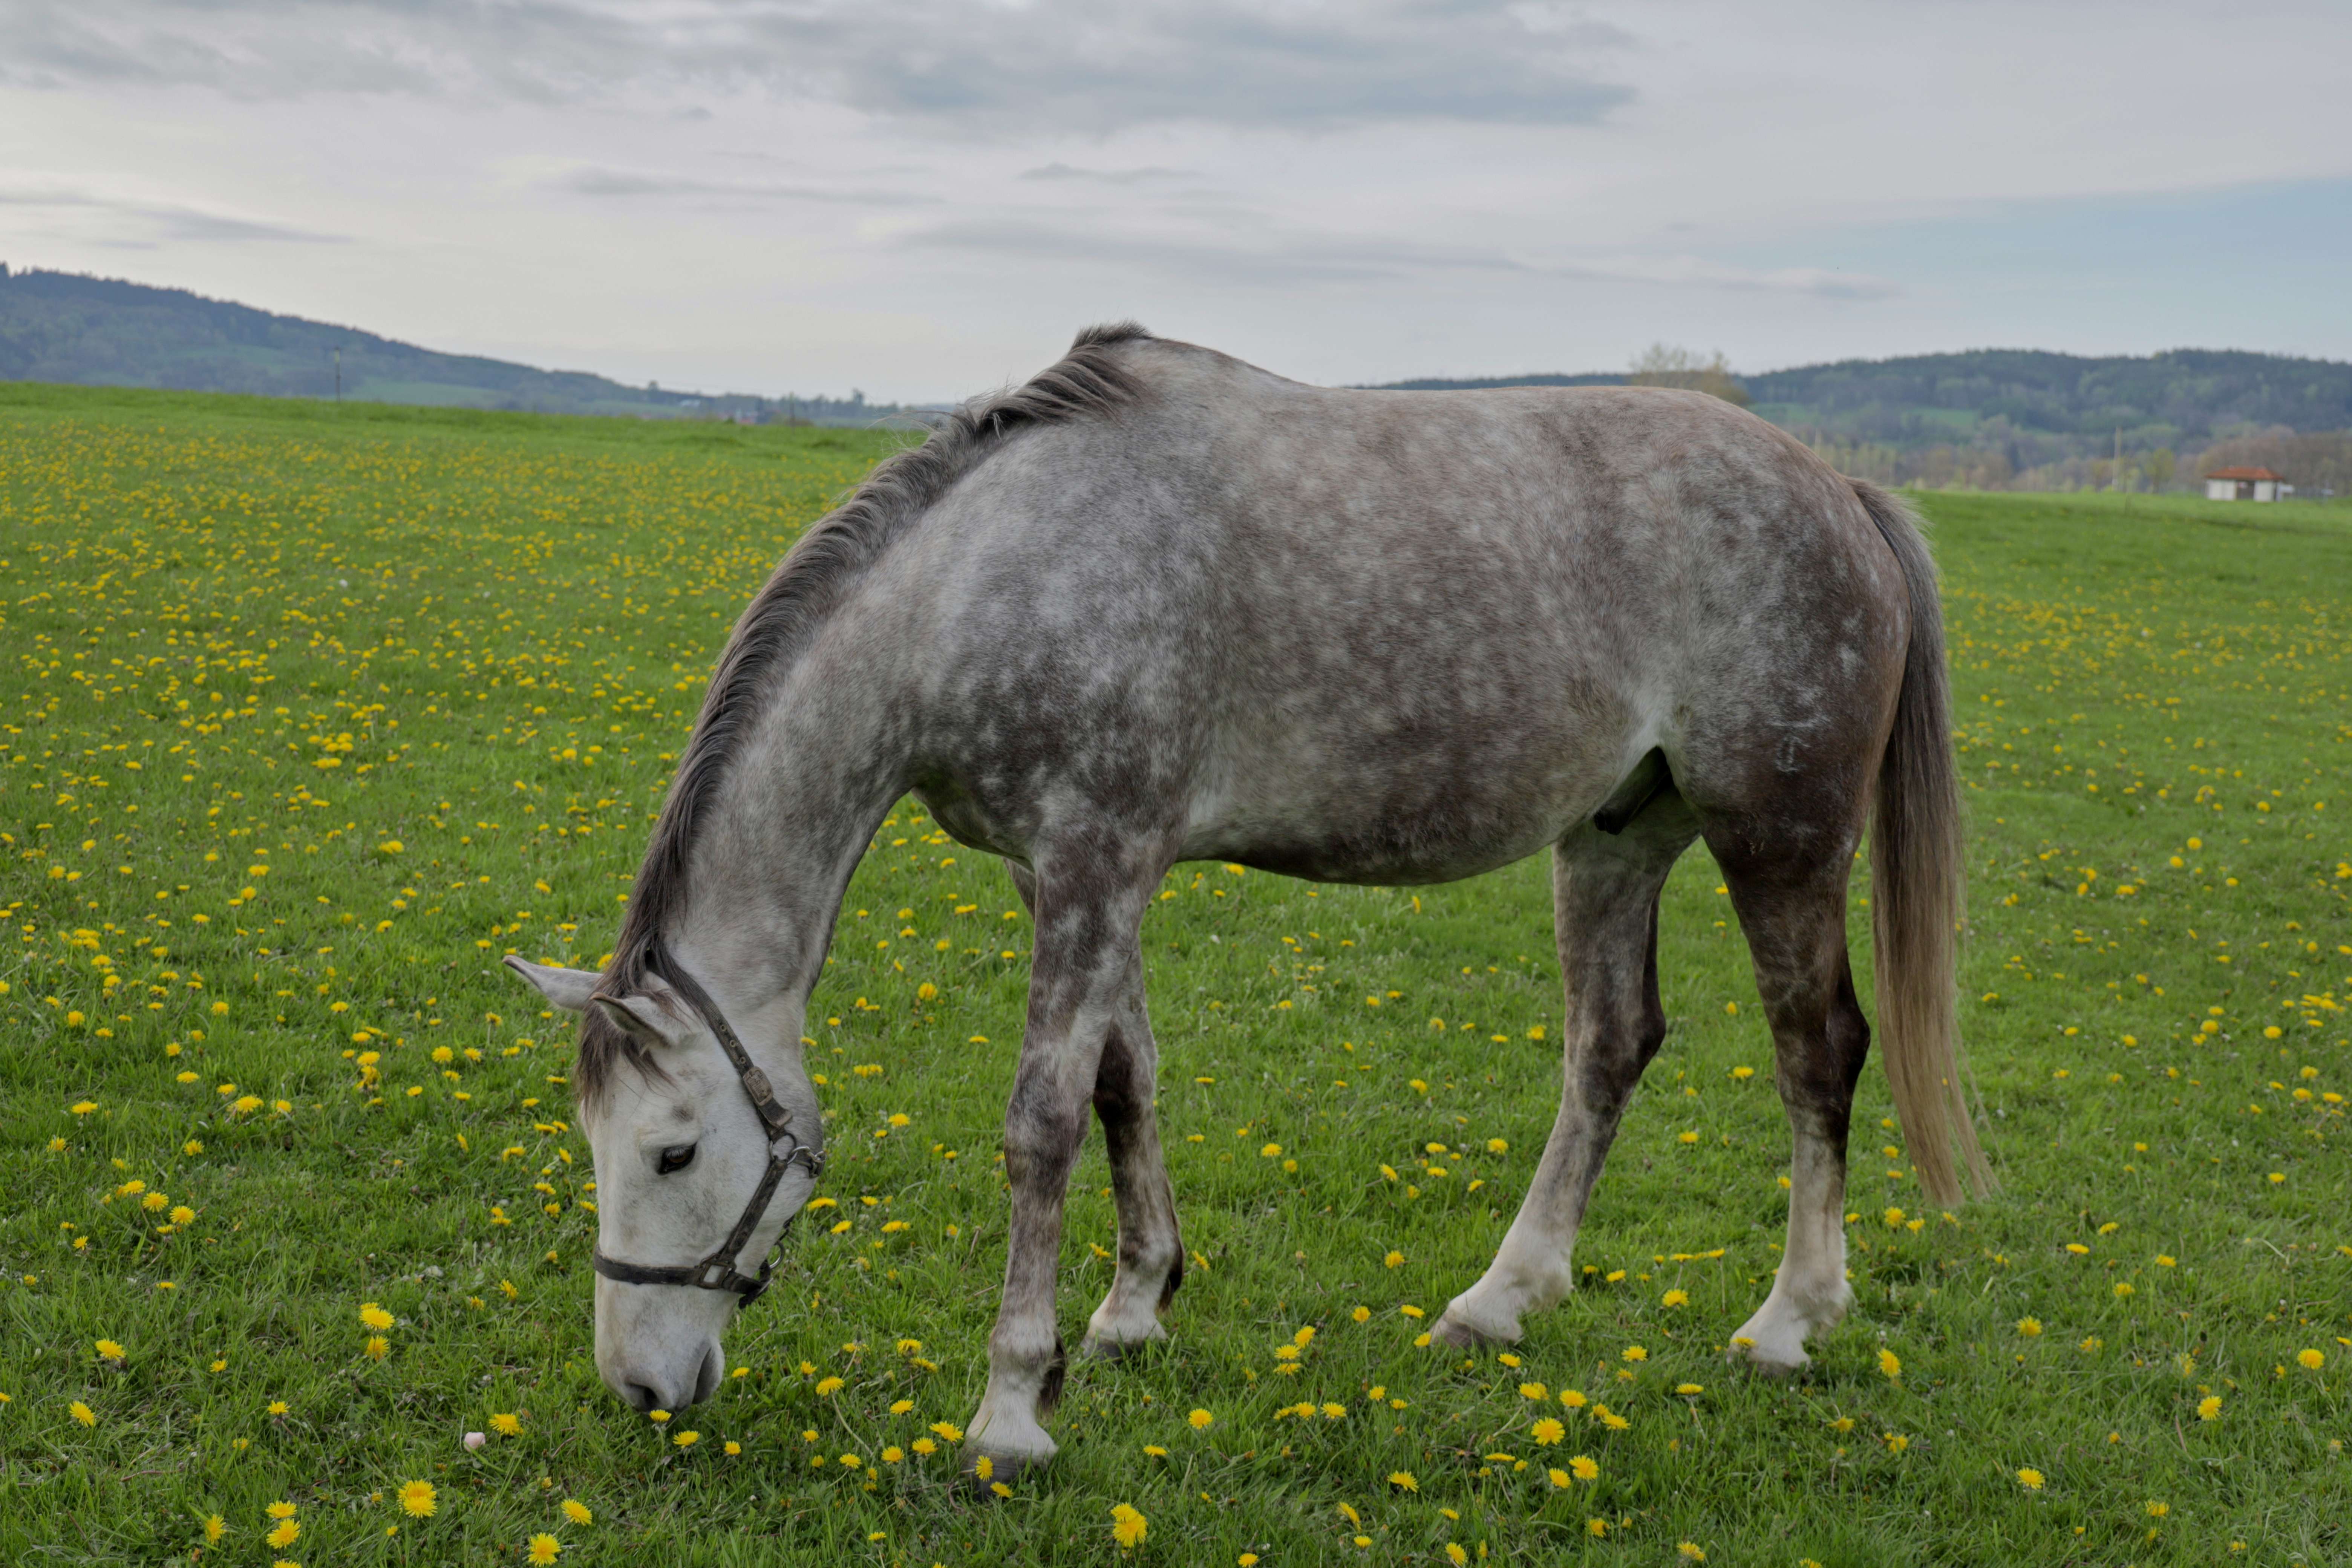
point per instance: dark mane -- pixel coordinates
(1089, 381)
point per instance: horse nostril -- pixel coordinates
(640, 1398)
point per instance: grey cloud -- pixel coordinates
(1268, 260)
(146, 223)
(1268, 256)
(603, 182)
(986, 69)
(1105, 176)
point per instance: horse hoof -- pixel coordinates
(1110, 1353)
(986, 1472)
(1774, 1362)
(1464, 1335)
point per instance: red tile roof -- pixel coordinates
(2244, 474)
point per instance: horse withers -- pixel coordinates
(1158, 605)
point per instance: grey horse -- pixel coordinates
(1157, 605)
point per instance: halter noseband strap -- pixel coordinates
(719, 1271)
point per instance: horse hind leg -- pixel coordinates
(1794, 919)
(1605, 887)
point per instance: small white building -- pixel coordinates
(2246, 484)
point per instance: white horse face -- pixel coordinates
(678, 1154)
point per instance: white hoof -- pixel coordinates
(1000, 1445)
(1467, 1323)
(1774, 1340)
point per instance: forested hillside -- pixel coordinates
(2004, 417)
(101, 331)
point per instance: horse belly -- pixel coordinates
(1411, 808)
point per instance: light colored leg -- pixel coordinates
(1085, 952)
(1796, 933)
(1150, 1249)
(1810, 1292)
(1605, 899)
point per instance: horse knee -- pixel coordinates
(1041, 1144)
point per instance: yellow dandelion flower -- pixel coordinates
(2031, 1327)
(1674, 1299)
(285, 1534)
(108, 1350)
(505, 1424)
(2209, 1408)
(2030, 1479)
(1534, 1391)
(1199, 1420)
(1127, 1527)
(1571, 1397)
(82, 1412)
(1547, 1431)
(215, 1528)
(1635, 1352)
(1402, 1480)
(545, 1548)
(377, 1347)
(1890, 1363)
(1584, 1468)
(374, 1317)
(686, 1440)
(2310, 1361)
(578, 1512)
(280, 1511)
(1690, 1552)
(418, 1499)
(827, 1387)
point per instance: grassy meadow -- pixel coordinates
(313, 712)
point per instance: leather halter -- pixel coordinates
(718, 1271)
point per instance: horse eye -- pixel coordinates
(677, 1157)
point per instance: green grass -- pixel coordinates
(495, 628)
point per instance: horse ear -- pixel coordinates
(567, 988)
(643, 1016)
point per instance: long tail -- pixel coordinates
(1916, 885)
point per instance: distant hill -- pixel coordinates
(2026, 419)
(101, 331)
(1997, 418)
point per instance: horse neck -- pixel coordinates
(774, 853)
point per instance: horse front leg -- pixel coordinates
(1080, 974)
(1151, 1248)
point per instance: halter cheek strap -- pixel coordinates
(719, 1271)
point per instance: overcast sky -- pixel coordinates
(924, 198)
